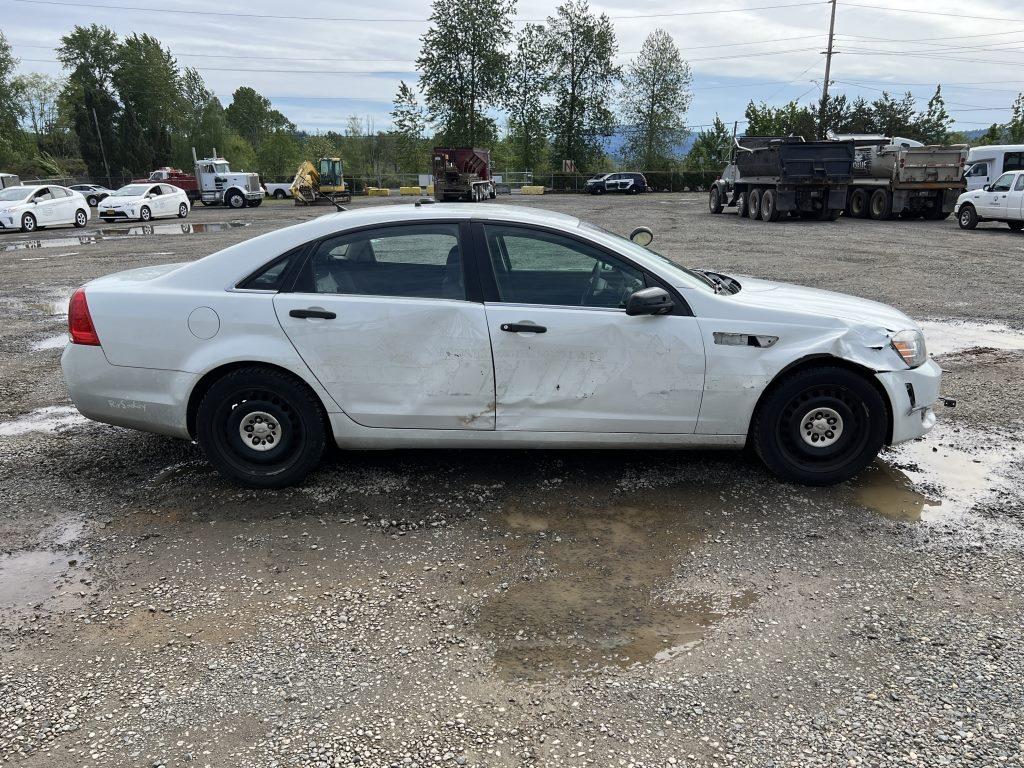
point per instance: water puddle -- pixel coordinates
(32, 576)
(58, 341)
(945, 337)
(593, 592)
(52, 418)
(122, 233)
(935, 479)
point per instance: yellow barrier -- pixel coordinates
(378, 192)
(430, 190)
(410, 191)
(532, 190)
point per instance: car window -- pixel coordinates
(271, 277)
(979, 169)
(414, 261)
(1013, 161)
(43, 194)
(58, 192)
(1019, 186)
(168, 189)
(537, 267)
(1003, 183)
(154, 190)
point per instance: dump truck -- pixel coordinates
(462, 173)
(322, 183)
(774, 175)
(894, 176)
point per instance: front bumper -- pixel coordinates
(913, 394)
(140, 398)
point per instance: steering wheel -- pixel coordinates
(588, 291)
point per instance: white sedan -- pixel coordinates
(498, 327)
(144, 202)
(28, 208)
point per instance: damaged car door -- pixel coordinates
(382, 318)
(567, 356)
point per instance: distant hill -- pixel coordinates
(613, 144)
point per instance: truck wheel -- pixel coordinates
(769, 208)
(235, 200)
(279, 194)
(741, 205)
(493, 193)
(968, 218)
(1016, 226)
(881, 205)
(820, 425)
(754, 204)
(715, 200)
(859, 204)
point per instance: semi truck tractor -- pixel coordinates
(894, 176)
(462, 173)
(772, 176)
(219, 185)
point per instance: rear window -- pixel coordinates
(272, 276)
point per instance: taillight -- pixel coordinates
(80, 321)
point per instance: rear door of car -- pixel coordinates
(389, 319)
(170, 198)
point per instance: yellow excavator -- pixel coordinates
(320, 184)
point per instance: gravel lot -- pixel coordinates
(423, 608)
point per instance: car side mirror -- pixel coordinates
(986, 188)
(649, 301)
(642, 236)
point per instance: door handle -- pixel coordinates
(320, 313)
(523, 328)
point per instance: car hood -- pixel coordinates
(813, 301)
(6, 205)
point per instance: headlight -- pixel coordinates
(910, 346)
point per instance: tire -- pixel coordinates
(881, 205)
(234, 200)
(715, 200)
(754, 204)
(28, 223)
(859, 204)
(145, 214)
(279, 194)
(249, 399)
(769, 209)
(92, 201)
(81, 218)
(820, 426)
(493, 194)
(741, 205)
(1016, 226)
(968, 217)
(182, 211)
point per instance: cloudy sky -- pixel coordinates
(320, 61)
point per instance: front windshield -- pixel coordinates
(132, 190)
(627, 246)
(14, 193)
(221, 168)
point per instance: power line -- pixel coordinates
(351, 19)
(960, 15)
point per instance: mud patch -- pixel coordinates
(592, 592)
(947, 337)
(122, 233)
(52, 418)
(33, 576)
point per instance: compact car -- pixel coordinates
(29, 207)
(145, 202)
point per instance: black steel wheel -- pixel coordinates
(741, 204)
(859, 204)
(769, 206)
(261, 427)
(754, 204)
(820, 426)
(881, 205)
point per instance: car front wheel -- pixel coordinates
(145, 214)
(820, 426)
(28, 223)
(967, 218)
(261, 427)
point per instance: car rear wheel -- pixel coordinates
(81, 218)
(145, 214)
(28, 223)
(92, 200)
(820, 426)
(715, 200)
(968, 217)
(182, 211)
(279, 194)
(261, 427)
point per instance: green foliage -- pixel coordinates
(933, 125)
(462, 70)
(278, 156)
(655, 97)
(239, 152)
(582, 48)
(894, 117)
(712, 148)
(409, 124)
(994, 135)
(201, 124)
(530, 78)
(788, 120)
(252, 117)
(1015, 128)
(11, 104)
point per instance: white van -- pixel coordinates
(986, 164)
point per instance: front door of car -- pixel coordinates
(567, 358)
(993, 202)
(44, 207)
(383, 318)
(1014, 200)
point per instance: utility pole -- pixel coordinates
(99, 138)
(828, 70)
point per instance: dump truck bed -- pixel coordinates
(793, 161)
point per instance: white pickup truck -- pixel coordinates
(1003, 200)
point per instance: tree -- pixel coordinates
(529, 82)
(712, 148)
(462, 70)
(860, 118)
(994, 135)
(202, 124)
(252, 116)
(91, 55)
(40, 94)
(655, 97)
(409, 125)
(894, 117)
(933, 126)
(11, 104)
(788, 120)
(836, 116)
(278, 155)
(1015, 128)
(581, 48)
(239, 152)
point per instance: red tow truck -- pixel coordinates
(175, 177)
